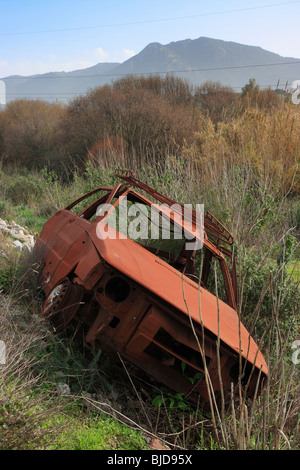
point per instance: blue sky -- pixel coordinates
(39, 36)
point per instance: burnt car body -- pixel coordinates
(147, 303)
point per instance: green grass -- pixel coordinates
(29, 217)
(293, 268)
(99, 433)
(33, 415)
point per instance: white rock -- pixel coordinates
(18, 245)
(16, 233)
(26, 247)
(3, 224)
(29, 239)
(20, 234)
(63, 389)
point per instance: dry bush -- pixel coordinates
(267, 143)
(254, 97)
(139, 119)
(29, 133)
(216, 101)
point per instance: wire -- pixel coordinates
(46, 77)
(80, 28)
(79, 93)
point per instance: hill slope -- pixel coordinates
(197, 60)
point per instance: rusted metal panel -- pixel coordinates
(147, 304)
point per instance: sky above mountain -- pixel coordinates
(64, 35)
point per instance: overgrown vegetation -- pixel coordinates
(237, 154)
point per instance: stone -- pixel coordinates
(63, 389)
(3, 224)
(18, 245)
(23, 240)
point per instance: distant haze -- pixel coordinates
(197, 60)
(2, 93)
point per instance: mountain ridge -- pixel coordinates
(196, 60)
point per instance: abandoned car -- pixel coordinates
(164, 304)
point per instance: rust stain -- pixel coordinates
(144, 302)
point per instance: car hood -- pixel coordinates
(166, 282)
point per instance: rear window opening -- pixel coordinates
(152, 228)
(147, 227)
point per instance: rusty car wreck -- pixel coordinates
(147, 303)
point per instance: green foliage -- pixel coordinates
(208, 442)
(293, 270)
(177, 402)
(49, 176)
(4, 208)
(9, 276)
(95, 176)
(25, 189)
(171, 400)
(29, 217)
(26, 421)
(81, 369)
(287, 250)
(267, 289)
(250, 87)
(32, 414)
(295, 214)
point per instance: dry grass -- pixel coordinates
(26, 406)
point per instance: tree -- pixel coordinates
(216, 101)
(252, 96)
(250, 88)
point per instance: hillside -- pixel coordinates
(196, 60)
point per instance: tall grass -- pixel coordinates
(271, 420)
(26, 410)
(246, 172)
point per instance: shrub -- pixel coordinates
(25, 189)
(30, 132)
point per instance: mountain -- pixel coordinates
(61, 86)
(196, 60)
